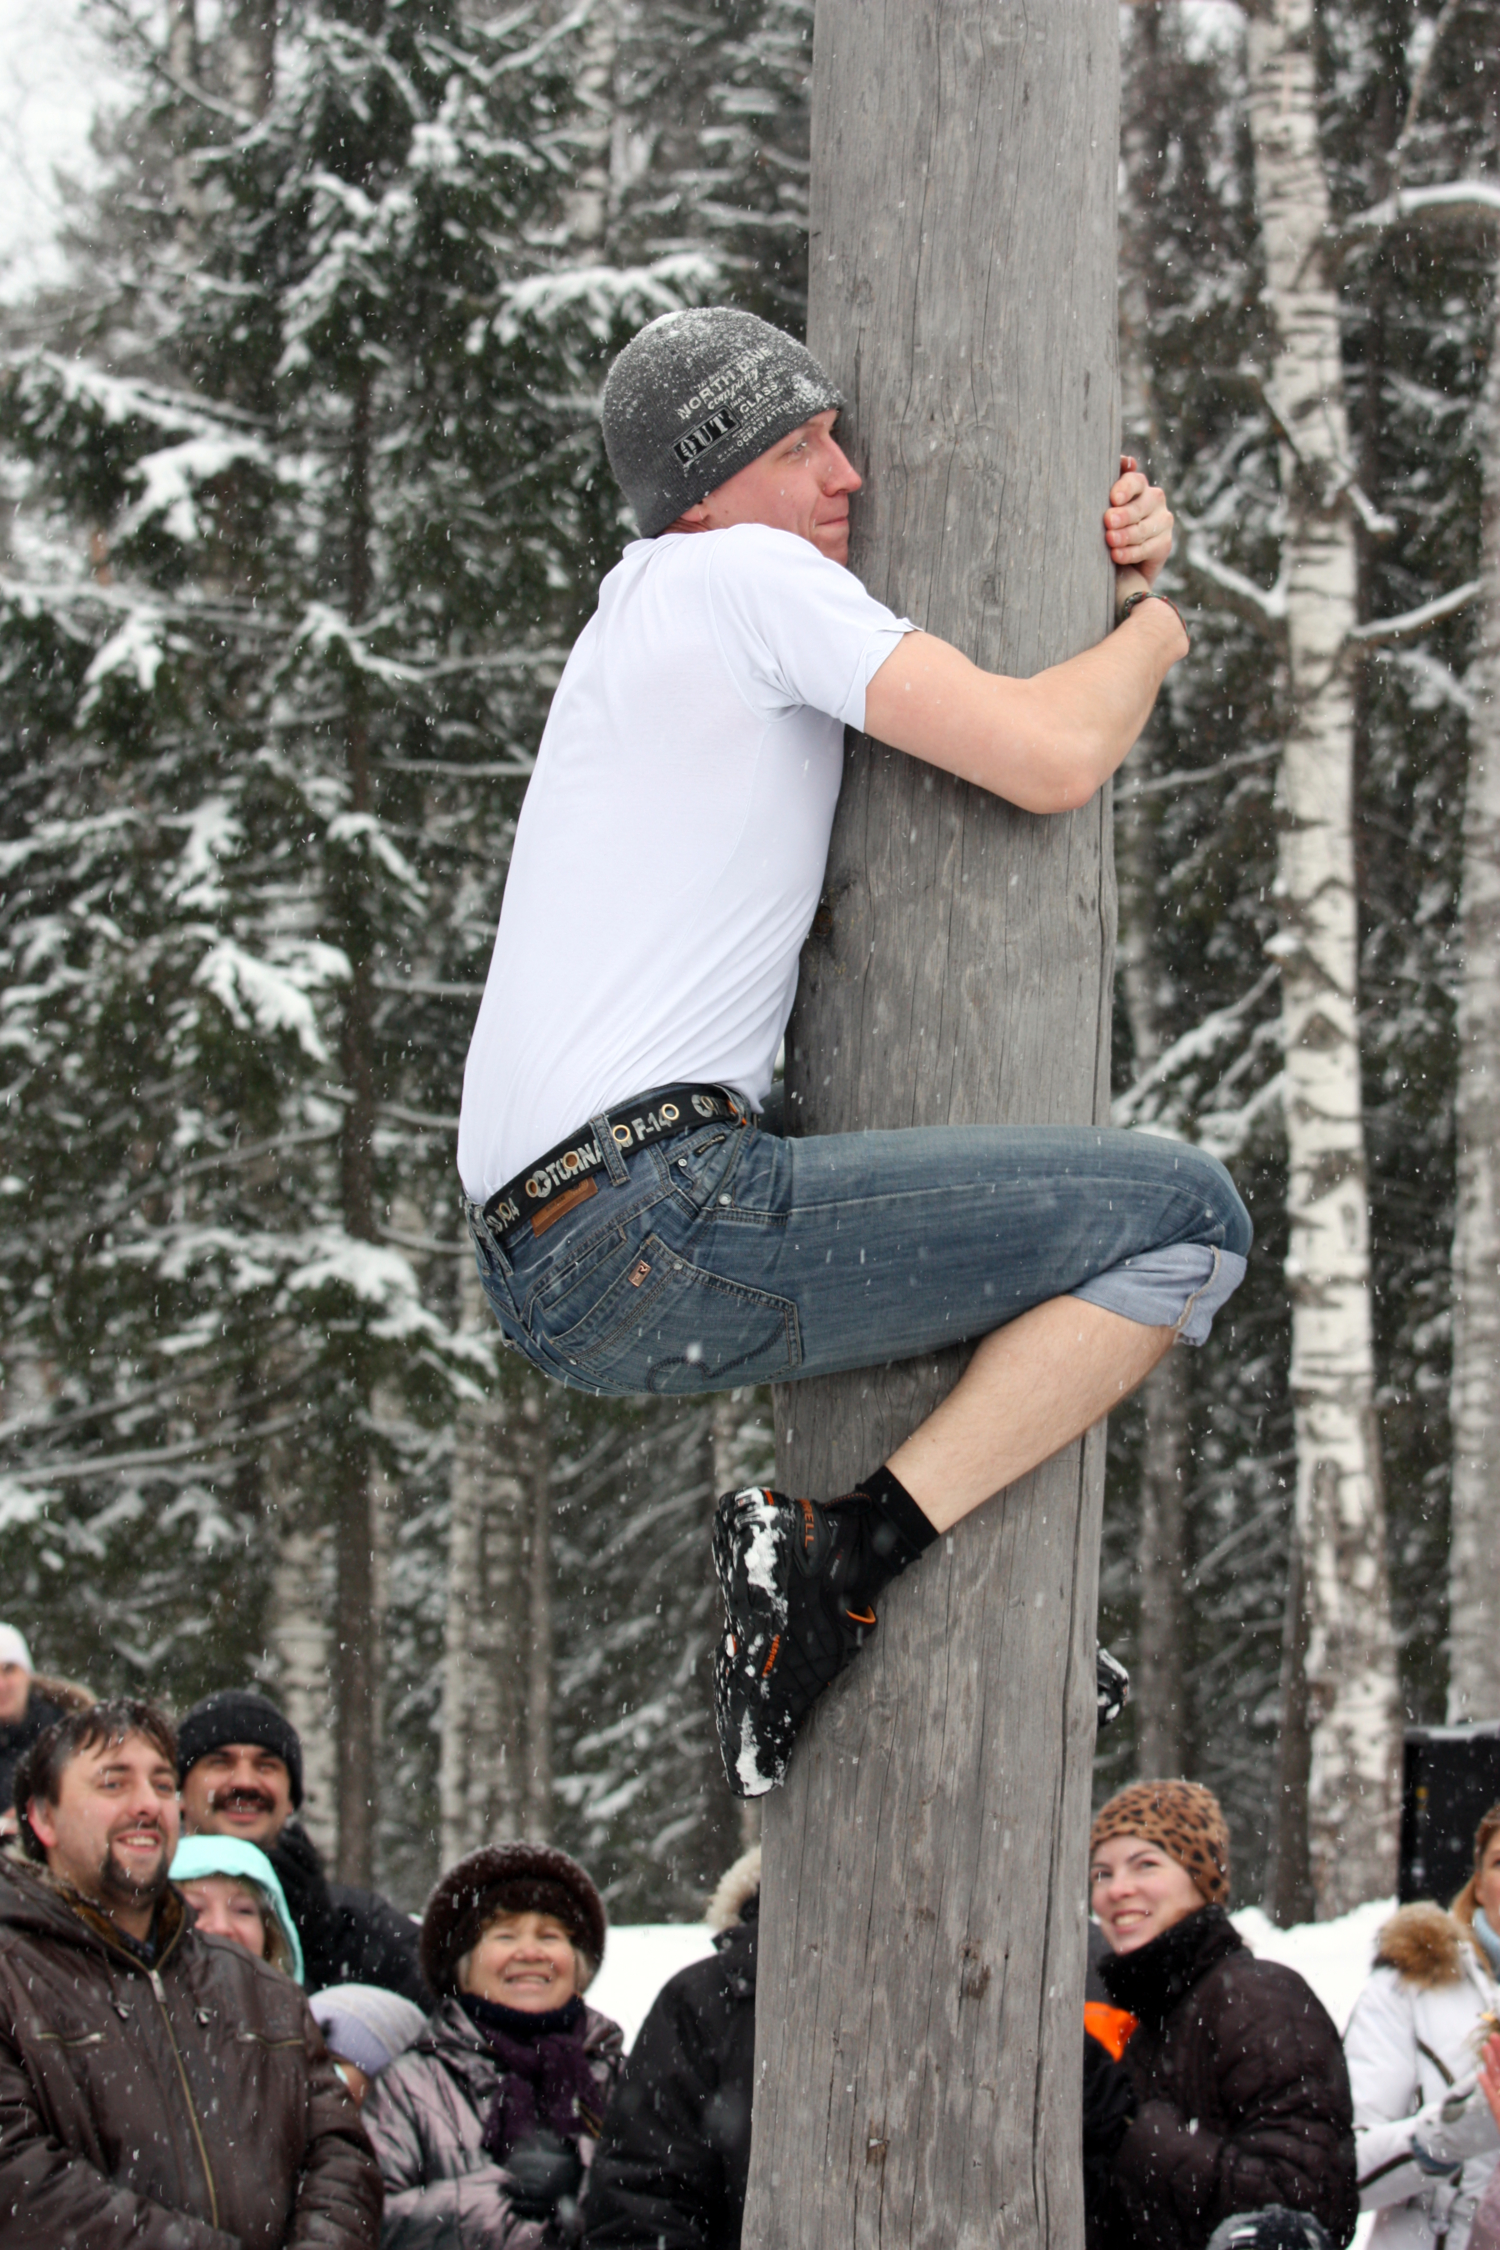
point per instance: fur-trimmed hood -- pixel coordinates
(1426, 1947)
(737, 1887)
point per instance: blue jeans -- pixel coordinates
(734, 1256)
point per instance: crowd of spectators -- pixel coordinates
(205, 2044)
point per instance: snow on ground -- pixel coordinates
(1334, 1957)
(638, 1959)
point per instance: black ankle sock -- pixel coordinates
(897, 1534)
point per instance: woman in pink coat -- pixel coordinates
(485, 2126)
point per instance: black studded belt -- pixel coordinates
(567, 1175)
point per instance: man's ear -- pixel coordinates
(39, 1820)
(694, 518)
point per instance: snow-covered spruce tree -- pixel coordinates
(306, 522)
(698, 136)
(1198, 1049)
(1421, 241)
(1473, 1606)
(1410, 110)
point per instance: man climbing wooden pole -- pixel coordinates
(640, 1220)
(922, 1929)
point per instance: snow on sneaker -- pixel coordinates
(784, 1569)
(1111, 1686)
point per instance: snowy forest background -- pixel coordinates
(304, 502)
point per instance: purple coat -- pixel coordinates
(426, 2116)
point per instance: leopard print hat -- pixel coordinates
(1183, 1820)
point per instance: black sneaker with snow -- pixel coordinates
(781, 1567)
(1111, 1685)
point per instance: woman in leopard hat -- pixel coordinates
(1236, 2092)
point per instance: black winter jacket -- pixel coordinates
(670, 2169)
(1242, 2098)
(17, 1736)
(348, 1936)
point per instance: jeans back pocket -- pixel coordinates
(659, 1323)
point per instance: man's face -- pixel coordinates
(15, 1693)
(239, 1790)
(801, 484)
(113, 1830)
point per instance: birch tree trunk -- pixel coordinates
(589, 202)
(460, 1679)
(182, 62)
(921, 1974)
(1350, 1663)
(355, 1666)
(1289, 1885)
(251, 58)
(535, 1436)
(299, 1645)
(481, 1778)
(740, 1822)
(1474, 1554)
(1157, 1685)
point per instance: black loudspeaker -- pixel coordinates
(1450, 1779)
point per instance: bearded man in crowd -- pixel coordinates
(157, 2087)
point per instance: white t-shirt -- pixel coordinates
(670, 853)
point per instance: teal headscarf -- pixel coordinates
(198, 1856)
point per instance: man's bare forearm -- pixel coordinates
(1045, 744)
(1095, 705)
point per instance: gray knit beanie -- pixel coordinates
(366, 2025)
(695, 397)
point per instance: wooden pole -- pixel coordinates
(919, 2028)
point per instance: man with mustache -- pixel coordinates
(157, 2087)
(240, 1766)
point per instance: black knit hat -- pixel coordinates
(239, 1715)
(697, 396)
(501, 1879)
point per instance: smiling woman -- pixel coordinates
(235, 1893)
(1234, 2092)
(486, 2125)
(523, 1960)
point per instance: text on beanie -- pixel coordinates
(696, 397)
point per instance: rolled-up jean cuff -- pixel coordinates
(1181, 1287)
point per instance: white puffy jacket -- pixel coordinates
(1412, 2046)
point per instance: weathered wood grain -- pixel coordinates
(920, 1983)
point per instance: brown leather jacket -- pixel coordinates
(188, 2106)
